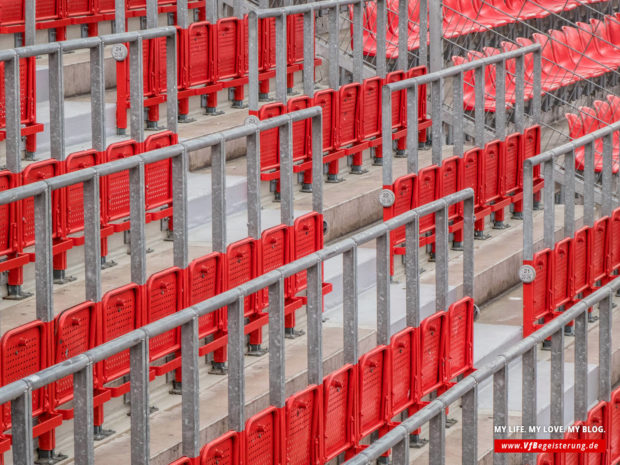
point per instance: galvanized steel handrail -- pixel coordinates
(19, 393)
(547, 159)
(467, 389)
(436, 102)
(179, 154)
(96, 45)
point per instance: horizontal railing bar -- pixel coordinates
(302, 8)
(463, 387)
(464, 67)
(574, 144)
(126, 341)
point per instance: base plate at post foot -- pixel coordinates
(218, 368)
(307, 188)
(49, 457)
(500, 225)
(292, 333)
(184, 119)
(107, 264)
(481, 236)
(255, 350)
(16, 293)
(177, 388)
(212, 111)
(333, 179)
(61, 278)
(457, 245)
(451, 422)
(517, 216)
(101, 433)
(546, 345)
(357, 170)
(377, 162)
(416, 442)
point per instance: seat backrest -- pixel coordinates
(603, 111)
(575, 126)
(614, 103)
(590, 120)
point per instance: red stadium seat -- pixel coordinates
(373, 389)
(339, 409)
(537, 295)
(581, 261)
(304, 426)
(164, 296)
(404, 364)
(561, 266)
(460, 339)
(432, 375)
(263, 433)
(597, 420)
(225, 450)
(614, 427)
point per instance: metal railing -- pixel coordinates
(467, 390)
(96, 45)
(19, 393)
(333, 11)
(41, 191)
(591, 193)
(436, 79)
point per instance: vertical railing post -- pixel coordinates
(381, 65)
(253, 47)
(383, 289)
(334, 49)
(57, 105)
(136, 229)
(236, 376)
(557, 386)
(119, 16)
(437, 124)
(607, 174)
(308, 73)
(136, 84)
(287, 214)
(549, 199)
(183, 13)
(172, 101)
(479, 113)
(83, 431)
(218, 195)
(97, 97)
(528, 393)
(588, 185)
(412, 129)
(457, 125)
(44, 258)
(12, 97)
(435, 14)
(151, 14)
(139, 397)
(403, 36)
(21, 430)
(386, 135)
(190, 388)
(528, 211)
(500, 408)
(349, 305)
(537, 87)
(281, 63)
(253, 180)
(180, 246)
(500, 100)
(468, 246)
(569, 193)
(277, 362)
(317, 163)
(437, 439)
(581, 367)
(30, 22)
(412, 276)
(358, 58)
(469, 441)
(519, 118)
(441, 259)
(604, 348)
(423, 32)
(315, 325)
(92, 239)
